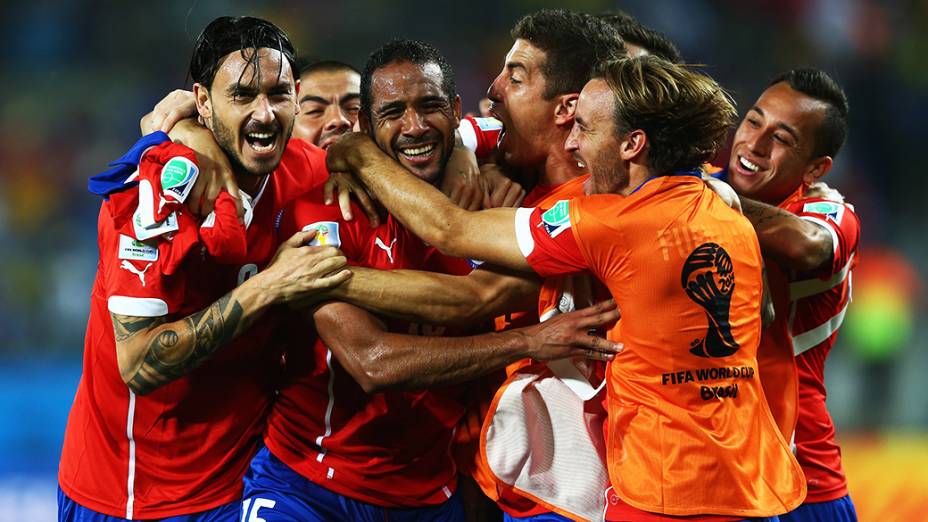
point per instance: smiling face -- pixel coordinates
(772, 150)
(411, 117)
(518, 101)
(593, 140)
(251, 109)
(329, 105)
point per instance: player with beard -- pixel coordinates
(686, 383)
(787, 141)
(177, 375)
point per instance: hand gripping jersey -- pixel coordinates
(391, 449)
(184, 447)
(480, 134)
(689, 431)
(810, 309)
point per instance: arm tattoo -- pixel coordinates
(760, 214)
(177, 350)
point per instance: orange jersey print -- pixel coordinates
(689, 431)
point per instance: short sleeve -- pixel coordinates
(480, 134)
(841, 222)
(331, 230)
(547, 242)
(136, 284)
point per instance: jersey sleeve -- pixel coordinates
(547, 242)
(480, 134)
(136, 283)
(841, 222)
(331, 229)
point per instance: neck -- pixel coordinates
(559, 168)
(637, 174)
(249, 183)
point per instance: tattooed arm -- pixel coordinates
(152, 352)
(795, 243)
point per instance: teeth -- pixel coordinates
(748, 165)
(261, 135)
(418, 151)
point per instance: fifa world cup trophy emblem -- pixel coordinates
(709, 280)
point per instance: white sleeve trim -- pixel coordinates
(831, 229)
(524, 230)
(468, 134)
(137, 306)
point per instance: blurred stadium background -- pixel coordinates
(79, 74)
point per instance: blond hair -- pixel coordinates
(685, 115)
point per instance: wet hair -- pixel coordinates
(685, 115)
(636, 33)
(227, 34)
(832, 131)
(399, 51)
(325, 66)
(574, 45)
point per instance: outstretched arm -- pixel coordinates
(379, 360)
(795, 243)
(435, 298)
(488, 234)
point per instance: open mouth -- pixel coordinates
(748, 165)
(418, 153)
(261, 142)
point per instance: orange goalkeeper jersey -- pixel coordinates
(689, 430)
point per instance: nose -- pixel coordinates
(494, 93)
(414, 123)
(759, 143)
(263, 112)
(337, 119)
(572, 144)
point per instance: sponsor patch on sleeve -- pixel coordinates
(133, 250)
(557, 218)
(177, 178)
(827, 208)
(326, 234)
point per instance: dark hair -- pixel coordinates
(685, 115)
(325, 66)
(832, 131)
(635, 33)
(574, 45)
(227, 34)
(402, 50)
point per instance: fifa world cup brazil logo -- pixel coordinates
(709, 280)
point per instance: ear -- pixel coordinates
(364, 122)
(565, 109)
(296, 95)
(632, 146)
(204, 103)
(457, 110)
(818, 168)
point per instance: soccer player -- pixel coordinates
(330, 97)
(689, 432)
(177, 375)
(362, 426)
(787, 140)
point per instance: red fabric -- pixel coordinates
(194, 437)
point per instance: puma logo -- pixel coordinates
(385, 248)
(130, 267)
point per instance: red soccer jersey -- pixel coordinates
(817, 303)
(184, 447)
(480, 134)
(685, 386)
(390, 449)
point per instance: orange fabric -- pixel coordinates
(689, 430)
(509, 501)
(775, 360)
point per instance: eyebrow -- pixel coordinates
(390, 106)
(781, 125)
(516, 65)
(319, 99)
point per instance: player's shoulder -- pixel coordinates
(303, 164)
(839, 212)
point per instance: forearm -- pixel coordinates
(152, 355)
(793, 242)
(435, 298)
